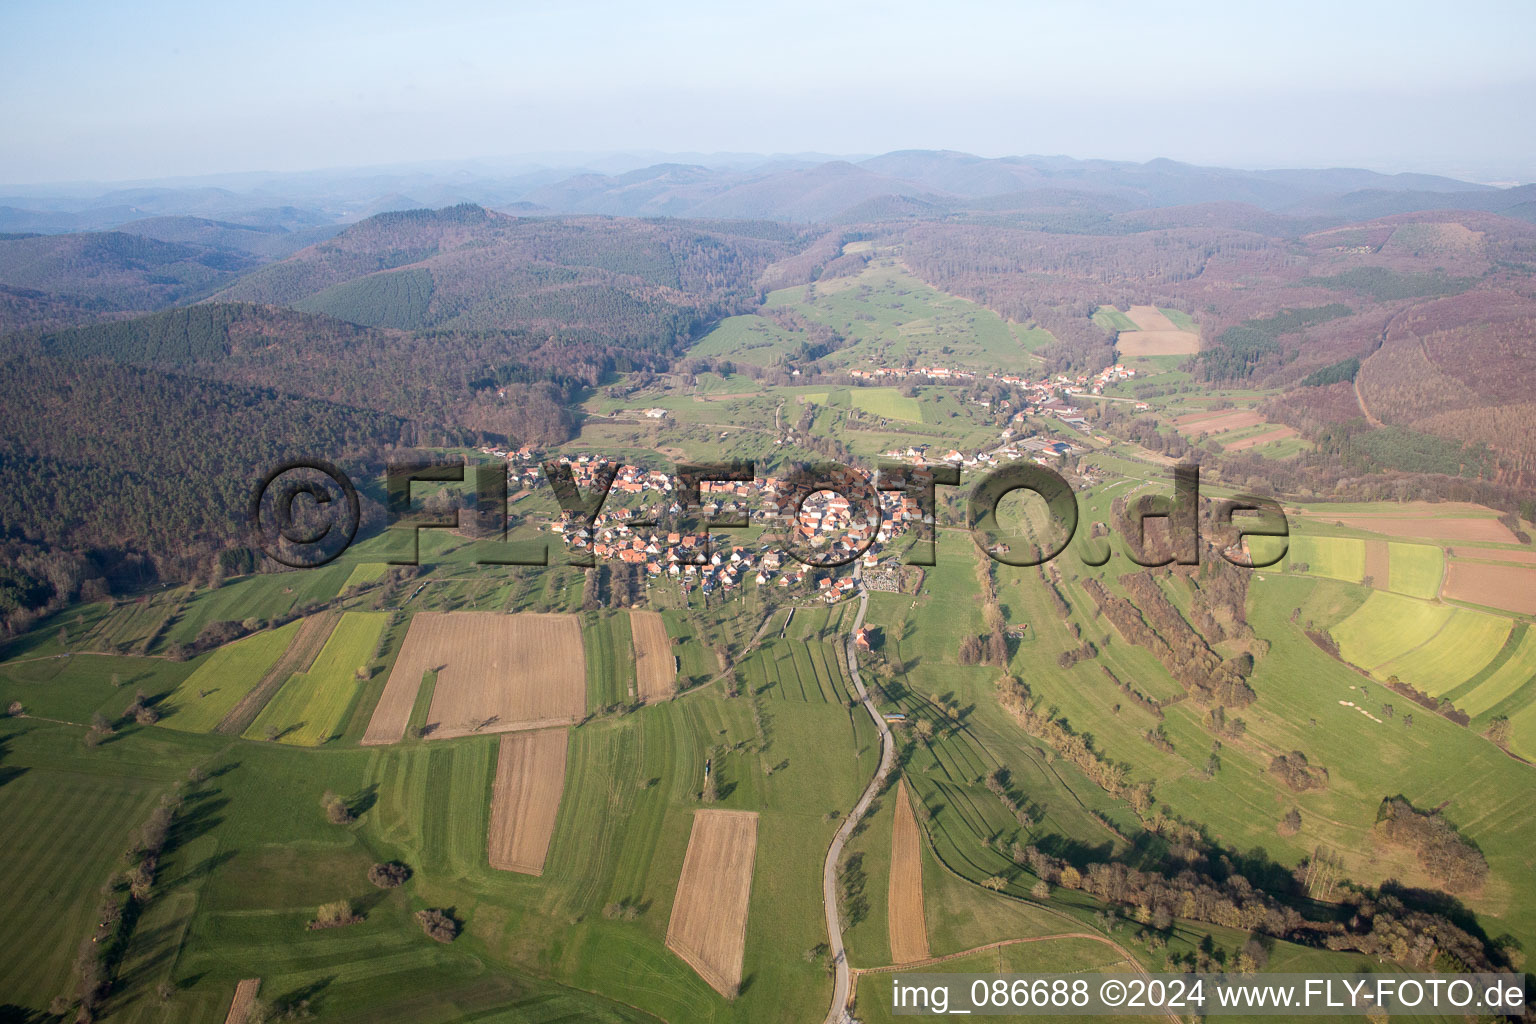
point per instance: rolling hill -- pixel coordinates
(465, 267)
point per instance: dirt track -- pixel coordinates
(708, 928)
(525, 800)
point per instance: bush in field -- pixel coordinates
(389, 876)
(438, 925)
(334, 915)
(336, 810)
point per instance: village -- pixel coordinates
(629, 529)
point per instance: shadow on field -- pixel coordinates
(10, 774)
(302, 1001)
(364, 799)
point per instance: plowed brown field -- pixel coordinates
(904, 906)
(708, 928)
(1510, 587)
(655, 664)
(530, 779)
(245, 998)
(495, 673)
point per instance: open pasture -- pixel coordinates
(495, 673)
(708, 927)
(908, 930)
(525, 799)
(1510, 587)
(888, 403)
(364, 573)
(655, 664)
(309, 708)
(212, 691)
(803, 664)
(889, 316)
(65, 832)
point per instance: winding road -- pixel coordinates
(841, 989)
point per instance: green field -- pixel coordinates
(1183, 321)
(889, 316)
(1387, 626)
(1337, 558)
(65, 833)
(364, 573)
(1416, 569)
(748, 339)
(1512, 669)
(1450, 657)
(887, 403)
(266, 596)
(73, 688)
(804, 665)
(610, 659)
(225, 676)
(1112, 319)
(311, 705)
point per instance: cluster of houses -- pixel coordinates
(626, 529)
(1040, 391)
(827, 528)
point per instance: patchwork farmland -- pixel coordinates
(1147, 331)
(495, 673)
(311, 704)
(708, 928)
(210, 693)
(525, 800)
(302, 651)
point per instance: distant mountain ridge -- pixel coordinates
(804, 188)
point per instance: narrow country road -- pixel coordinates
(838, 1012)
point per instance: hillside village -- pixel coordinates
(629, 529)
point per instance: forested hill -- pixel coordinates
(78, 278)
(649, 284)
(128, 462)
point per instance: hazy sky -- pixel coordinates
(119, 91)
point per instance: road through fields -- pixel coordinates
(838, 1012)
